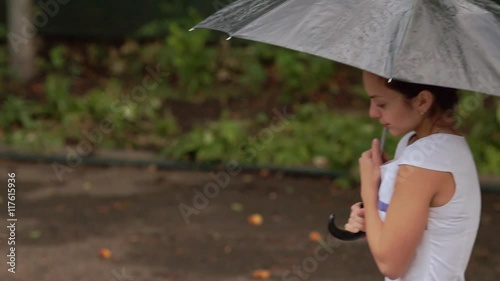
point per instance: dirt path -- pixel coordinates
(135, 214)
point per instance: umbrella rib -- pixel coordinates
(403, 39)
(234, 34)
(260, 17)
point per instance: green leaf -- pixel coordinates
(35, 234)
(212, 152)
(237, 207)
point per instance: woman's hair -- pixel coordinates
(445, 99)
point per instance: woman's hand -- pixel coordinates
(356, 221)
(369, 171)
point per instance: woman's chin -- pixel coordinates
(396, 132)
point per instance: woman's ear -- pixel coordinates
(423, 101)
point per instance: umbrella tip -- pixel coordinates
(192, 29)
(229, 38)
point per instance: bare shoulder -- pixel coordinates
(423, 188)
(409, 174)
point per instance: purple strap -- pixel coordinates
(382, 206)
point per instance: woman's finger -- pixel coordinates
(355, 227)
(357, 211)
(361, 213)
(357, 220)
(351, 228)
(358, 226)
(356, 206)
(376, 152)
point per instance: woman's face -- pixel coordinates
(391, 108)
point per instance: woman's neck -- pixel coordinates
(439, 124)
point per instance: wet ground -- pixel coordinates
(62, 226)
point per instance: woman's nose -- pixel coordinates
(374, 112)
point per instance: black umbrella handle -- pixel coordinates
(343, 234)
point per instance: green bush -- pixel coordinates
(187, 56)
(204, 67)
(18, 112)
(216, 142)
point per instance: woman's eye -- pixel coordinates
(381, 105)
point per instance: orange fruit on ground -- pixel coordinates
(261, 274)
(105, 253)
(255, 219)
(314, 236)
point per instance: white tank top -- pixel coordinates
(446, 246)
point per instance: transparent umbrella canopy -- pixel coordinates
(449, 43)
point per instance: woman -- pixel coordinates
(422, 209)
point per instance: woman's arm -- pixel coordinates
(393, 242)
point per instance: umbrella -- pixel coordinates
(447, 43)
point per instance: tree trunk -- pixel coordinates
(21, 36)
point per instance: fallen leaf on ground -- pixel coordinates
(314, 236)
(255, 219)
(87, 186)
(133, 238)
(119, 205)
(264, 173)
(105, 253)
(104, 209)
(261, 274)
(35, 234)
(152, 168)
(237, 207)
(248, 178)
